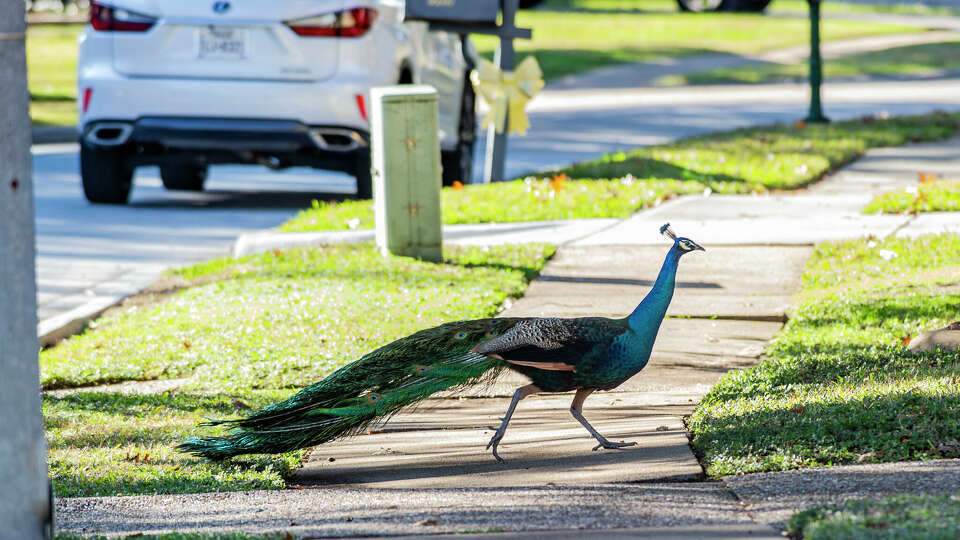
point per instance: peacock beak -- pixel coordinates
(701, 248)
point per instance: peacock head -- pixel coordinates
(681, 244)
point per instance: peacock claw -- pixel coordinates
(495, 442)
(612, 445)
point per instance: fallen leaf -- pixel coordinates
(799, 124)
(799, 409)
(868, 456)
(557, 182)
(927, 178)
(905, 340)
(458, 185)
(431, 521)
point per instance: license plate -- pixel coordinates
(221, 43)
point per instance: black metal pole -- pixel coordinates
(816, 69)
(496, 155)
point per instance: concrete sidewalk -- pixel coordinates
(427, 472)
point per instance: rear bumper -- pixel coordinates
(276, 143)
(225, 134)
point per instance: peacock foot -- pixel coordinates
(612, 445)
(495, 442)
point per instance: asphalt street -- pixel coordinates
(90, 254)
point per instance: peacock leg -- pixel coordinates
(575, 409)
(521, 393)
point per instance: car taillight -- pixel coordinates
(361, 105)
(110, 19)
(87, 93)
(347, 23)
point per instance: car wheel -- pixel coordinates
(754, 6)
(458, 164)
(364, 177)
(185, 177)
(701, 6)
(105, 175)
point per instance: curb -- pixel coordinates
(54, 134)
(559, 232)
(56, 328)
(52, 330)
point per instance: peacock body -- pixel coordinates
(557, 354)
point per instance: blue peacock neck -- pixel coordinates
(646, 318)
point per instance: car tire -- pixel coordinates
(183, 177)
(105, 175)
(364, 176)
(749, 6)
(458, 164)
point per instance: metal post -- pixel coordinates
(816, 74)
(406, 171)
(25, 501)
(495, 158)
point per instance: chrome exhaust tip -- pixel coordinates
(336, 139)
(109, 133)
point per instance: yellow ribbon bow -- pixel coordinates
(508, 91)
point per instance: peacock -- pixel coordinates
(583, 354)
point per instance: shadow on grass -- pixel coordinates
(826, 364)
(896, 426)
(646, 168)
(893, 306)
(140, 405)
(52, 97)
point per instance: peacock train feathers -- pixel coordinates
(374, 387)
(558, 355)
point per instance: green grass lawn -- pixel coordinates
(617, 185)
(837, 385)
(940, 196)
(52, 73)
(926, 60)
(246, 333)
(902, 517)
(776, 7)
(567, 42)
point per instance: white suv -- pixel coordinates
(185, 84)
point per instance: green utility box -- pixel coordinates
(406, 171)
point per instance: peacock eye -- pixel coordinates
(373, 398)
(422, 369)
(461, 335)
(491, 333)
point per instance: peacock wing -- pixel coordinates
(554, 343)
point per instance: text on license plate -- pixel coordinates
(221, 43)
